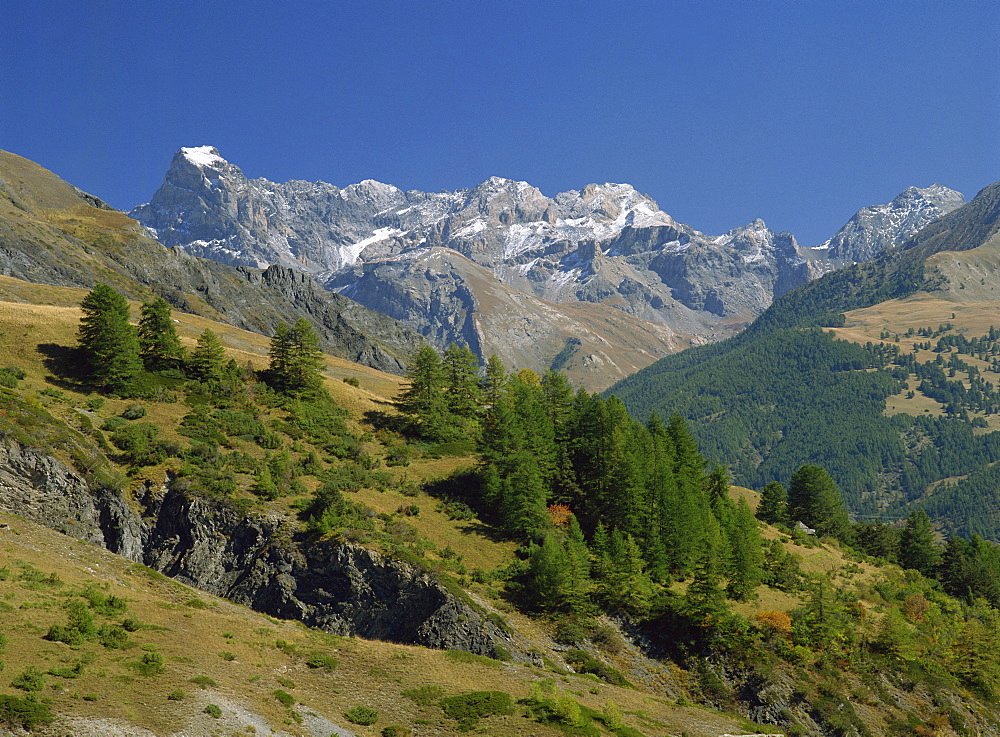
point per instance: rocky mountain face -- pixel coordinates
(875, 229)
(252, 560)
(504, 255)
(52, 233)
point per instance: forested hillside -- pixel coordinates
(788, 391)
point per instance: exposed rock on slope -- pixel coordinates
(875, 229)
(341, 588)
(606, 244)
(51, 233)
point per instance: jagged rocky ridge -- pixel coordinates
(433, 260)
(253, 560)
(52, 233)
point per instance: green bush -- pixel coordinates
(319, 660)
(176, 695)
(284, 698)
(397, 730)
(24, 713)
(227, 656)
(134, 412)
(424, 695)
(213, 711)
(30, 680)
(151, 664)
(584, 662)
(202, 681)
(469, 708)
(113, 637)
(363, 715)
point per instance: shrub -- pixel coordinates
(424, 695)
(213, 711)
(284, 698)
(202, 681)
(176, 695)
(469, 708)
(227, 656)
(396, 730)
(151, 664)
(24, 713)
(584, 662)
(113, 637)
(30, 680)
(353, 381)
(319, 660)
(134, 412)
(363, 715)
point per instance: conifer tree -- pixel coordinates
(109, 342)
(461, 370)
(159, 345)
(746, 566)
(295, 357)
(813, 499)
(705, 600)
(917, 548)
(773, 507)
(423, 398)
(208, 359)
(547, 580)
(626, 586)
(578, 581)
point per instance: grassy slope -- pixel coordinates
(369, 673)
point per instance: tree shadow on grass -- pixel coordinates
(66, 364)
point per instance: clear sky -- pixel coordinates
(798, 112)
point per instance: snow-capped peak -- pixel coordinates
(202, 156)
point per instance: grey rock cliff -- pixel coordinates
(258, 561)
(874, 229)
(606, 244)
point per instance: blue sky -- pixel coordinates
(797, 112)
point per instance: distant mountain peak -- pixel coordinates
(202, 156)
(875, 228)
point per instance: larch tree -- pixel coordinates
(424, 399)
(295, 357)
(208, 359)
(814, 500)
(109, 342)
(159, 345)
(773, 507)
(917, 548)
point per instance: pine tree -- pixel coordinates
(746, 565)
(547, 580)
(917, 548)
(773, 507)
(424, 399)
(813, 499)
(578, 582)
(208, 359)
(109, 342)
(295, 357)
(461, 370)
(705, 601)
(159, 345)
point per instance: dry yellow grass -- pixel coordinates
(191, 638)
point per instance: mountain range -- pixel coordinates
(600, 280)
(53, 233)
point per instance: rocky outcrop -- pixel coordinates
(877, 228)
(259, 561)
